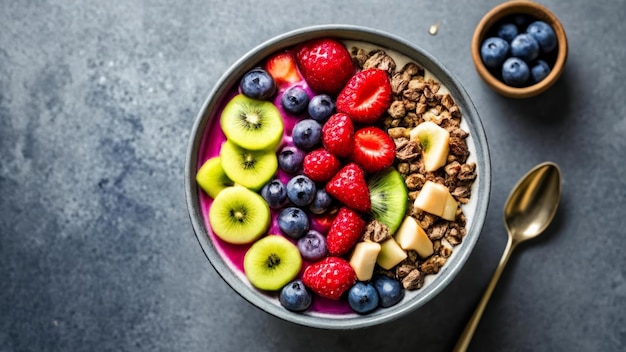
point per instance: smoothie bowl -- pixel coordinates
(337, 177)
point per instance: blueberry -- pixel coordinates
(274, 193)
(307, 134)
(389, 290)
(257, 84)
(515, 72)
(313, 246)
(321, 107)
(294, 100)
(507, 31)
(301, 190)
(290, 159)
(544, 34)
(293, 222)
(295, 296)
(363, 298)
(522, 21)
(525, 47)
(539, 71)
(494, 51)
(321, 202)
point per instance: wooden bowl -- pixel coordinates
(495, 15)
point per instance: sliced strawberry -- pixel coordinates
(320, 165)
(330, 277)
(350, 188)
(326, 64)
(345, 231)
(374, 150)
(366, 96)
(338, 134)
(282, 67)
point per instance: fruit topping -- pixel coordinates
(295, 296)
(321, 203)
(345, 231)
(320, 165)
(282, 68)
(257, 84)
(252, 124)
(272, 262)
(301, 190)
(290, 159)
(389, 198)
(389, 290)
(313, 246)
(544, 34)
(373, 149)
(293, 222)
(212, 178)
(390, 254)
(307, 134)
(363, 259)
(295, 100)
(330, 277)
(338, 135)
(249, 168)
(326, 64)
(435, 144)
(515, 72)
(494, 51)
(321, 107)
(363, 298)
(239, 215)
(435, 198)
(274, 193)
(525, 47)
(350, 188)
(411, 236)
(366, 96)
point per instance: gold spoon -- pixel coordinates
(528, 211)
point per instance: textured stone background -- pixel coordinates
(96, 249)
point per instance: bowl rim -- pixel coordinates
(515, 7)
(379, 38)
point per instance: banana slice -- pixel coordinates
(435, 143)
(411, 236)
(436, 199)
(363, 259)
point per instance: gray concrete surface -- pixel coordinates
(97, 253)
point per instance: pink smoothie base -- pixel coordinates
(233, 254)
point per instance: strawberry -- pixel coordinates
(330, 277)
(320, 165)
(366, 96)
(337, 134)
(282, 67)
(373, 149)
(326, 64)
(345, 231)
(350, 188)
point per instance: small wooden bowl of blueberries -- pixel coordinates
(519, 48)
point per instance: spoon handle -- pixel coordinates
(466, 337)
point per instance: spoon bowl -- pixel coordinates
(532, 204)
(528, 211)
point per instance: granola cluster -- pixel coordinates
(417, 99)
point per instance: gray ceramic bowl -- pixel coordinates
(475, 210)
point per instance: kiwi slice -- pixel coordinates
(252, 124)
(249, 168)
(272, 262)
(389, 198)
(212, 178)
(239, 215)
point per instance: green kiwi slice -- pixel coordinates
(239, 215)
(249, 168)
(252, 124)
(389, 198)
(212, 178)
(272, 262)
